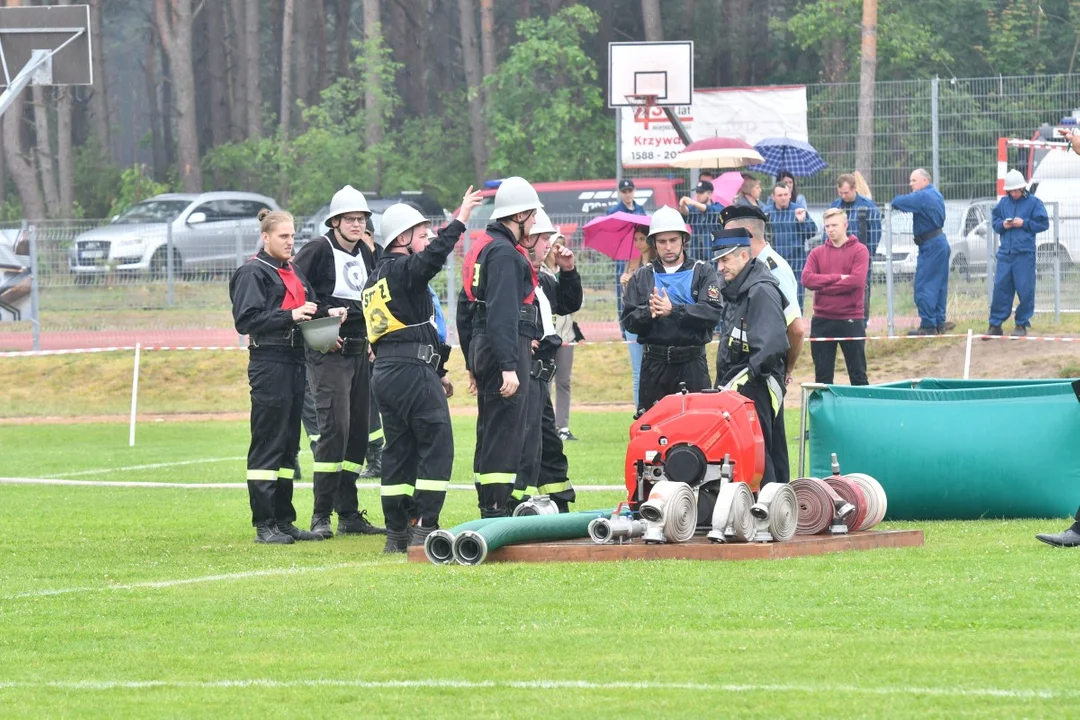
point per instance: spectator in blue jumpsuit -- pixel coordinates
(1018, 218)
(927, 208)
(792, 227)
(864, 222)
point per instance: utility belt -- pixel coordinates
(410, 351)
(288, 339)
(929, 235)
(673, 354)
(353, 346)
(528, 320)
(544, 370)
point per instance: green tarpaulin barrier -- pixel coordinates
(955, 449)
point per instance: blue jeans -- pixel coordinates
(635, 362)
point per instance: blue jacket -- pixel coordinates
(789, 236)
(619, 207)
(703, 223)
(1028, 208)
(927, 208)
(873, 220)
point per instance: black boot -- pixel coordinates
(397, 541)
(320, 525)
(373, 468)
(357, 524)
(1068, 538)
(267, 534)
(287, 528)
(418, 534)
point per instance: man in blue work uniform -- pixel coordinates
(864, 222)
(927, 208)
(1018, 218)
(703, 216)
(792, 228)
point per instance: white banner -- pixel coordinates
(750, 114)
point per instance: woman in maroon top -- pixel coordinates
(836, 272)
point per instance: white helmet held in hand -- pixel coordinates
(515, 195)
(347, 199)
(666, 219)
(396, 220)
(1014, 180)
(542, 224)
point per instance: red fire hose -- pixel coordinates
(817, 505)
(851, 491)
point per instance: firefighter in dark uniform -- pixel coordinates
(753, 342)
(543, 469)
(503, 325)
(337, 265)
(410, 381)
(269, 297)
(672, 304)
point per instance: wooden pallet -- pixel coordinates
(699, 548)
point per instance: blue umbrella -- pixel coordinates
(797, 157)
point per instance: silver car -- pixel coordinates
(211, 232)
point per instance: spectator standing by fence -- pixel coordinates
(627, 203)
(836, 272)
(749, 194)
(863, 216)
(1017, 218)
(792, 228)
(927, 208)
(646, 255)
(703, 216)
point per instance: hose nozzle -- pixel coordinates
(470, 548)
(439, 547)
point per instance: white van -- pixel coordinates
(1057, 180)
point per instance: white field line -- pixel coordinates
(158, 584)
(104, 685)
(231, 486)
(151, 466)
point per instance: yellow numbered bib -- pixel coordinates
(380, 321)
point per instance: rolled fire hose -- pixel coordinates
(778, 510)
(471, 547)
(818, 505)
(876, 501)
(731, 518)
(539, 505)
(607, 531)
(439, 545)
(671, 512)
(851, 492)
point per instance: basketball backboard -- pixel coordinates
(61, 31)
(664, 70)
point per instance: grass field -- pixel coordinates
(128, 602)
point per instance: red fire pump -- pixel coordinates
(687, 437)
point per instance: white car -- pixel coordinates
(962, 218)
(211, 232)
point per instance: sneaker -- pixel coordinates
(993, 331)
(565, 434)
(287, 528)
(357, 524)
(1019, 331)
(267, 534)
(320, 525)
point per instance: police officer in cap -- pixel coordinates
(269, 298)
(672, 304)
(410, 381)
(753, 342)
(503, 325)
(338, 264)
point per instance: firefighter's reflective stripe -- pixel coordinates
(349, 466)
(776, 391)
(552, 488)
(314, 438)
(497, 478)
(433, 485)
(394, 490)
(262, 474)
(327, 467)
(376, 435)
(285, 473)
(738, 336)
(531, 491)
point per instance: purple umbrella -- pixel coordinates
(613, 235)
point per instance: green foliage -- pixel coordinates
(1016, 36)
(546, 113)
(252, 166)
(97, 180)
(136, 185)
(11, 211)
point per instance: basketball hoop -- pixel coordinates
(643, 105)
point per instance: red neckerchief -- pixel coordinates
(294, 289)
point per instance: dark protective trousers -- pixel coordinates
(544, 467)
(277, 396)
(824, 353)
(375, 426)
(500, 425)
(1015, 275)
(932, 282)
(659, 378)
(777, 466)
(339, 384)
(418, 456)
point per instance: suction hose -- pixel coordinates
(818, 505)
(671, 512)
(439, 545)
(731, 518)
(606, 531)
(876, 501)
(777, 509)
(471, 547)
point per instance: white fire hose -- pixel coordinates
(876, 502)
(777, 513)
(670, 513)
(731, 518)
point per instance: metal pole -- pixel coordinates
(935, 132)
(451, 302)
(889, 270)
(967, 355)
(239, 244)
(170, 271)
(35, 307)
(134, 396)
(618, 146)
(1057, 262)
(806, 388)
